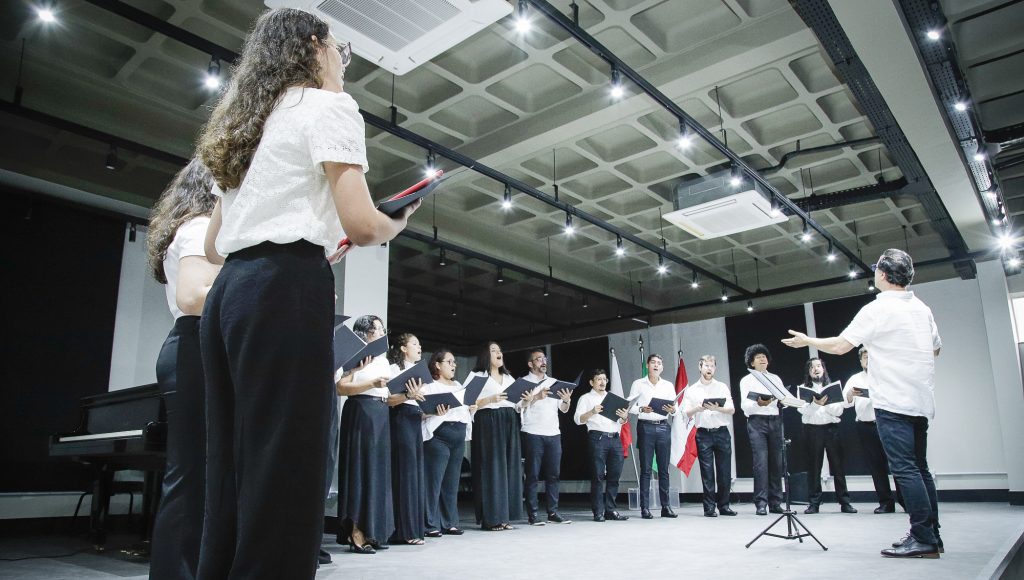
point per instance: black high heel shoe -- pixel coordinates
(366, 548)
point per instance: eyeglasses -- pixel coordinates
(540, 358)
(449, 362)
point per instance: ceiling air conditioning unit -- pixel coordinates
(713, 207)
(399, 35)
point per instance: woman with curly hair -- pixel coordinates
(177, 229)
(286, 147)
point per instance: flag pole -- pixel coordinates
(632, 452)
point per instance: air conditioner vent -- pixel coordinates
(399, 35)
(712, 208)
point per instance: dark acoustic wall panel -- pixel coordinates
(567, 361)
(830, 318)
(767, 327)
(61, 269)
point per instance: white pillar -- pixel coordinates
(361, 282)
(1005, 362)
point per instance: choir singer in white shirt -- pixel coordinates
(714, 442)
(654, 434)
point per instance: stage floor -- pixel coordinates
(975, 535)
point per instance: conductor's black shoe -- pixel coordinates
(615, 516)
(532, 518)
(324, 557)
(848, 509)
(710, 514)
(554, 518)
(811, 509)
(666, 512)
(726, 512)
(761, 511)
(598, 518)
(776, 509)
(646, 514)
(912, 549)
(885, 509)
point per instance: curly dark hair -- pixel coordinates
(897, 266)
(754, 350)
(395, 355)
(807, 372)
(435, 361)
(278, 54)
(363, 325)
(483, 360)
(186, 197)
(589, 375)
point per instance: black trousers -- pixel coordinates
(407, 474)
(178, 527)
(765, 432)
(497, 467)
(364, 470)
(543, 456)
(824, 440)
(714, 452)
(267, 354)
(605, 469)
(654, 440)
(443, 454)
(877, 463)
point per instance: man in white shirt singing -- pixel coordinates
(900, 332)
(820, 418)
(654, 433)
(542, 439)
(604, 447)
(857, 394)
(714, 443)
(764, 427)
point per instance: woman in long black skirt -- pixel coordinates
(287, 150)
(177, 231)
(496, 456)
(365, 510)
(407, 446)
(445, 432)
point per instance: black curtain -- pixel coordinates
(567, 362)
(61, 269)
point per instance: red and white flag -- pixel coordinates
(684, 432)
(615, 387)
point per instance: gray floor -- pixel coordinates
(690, 546)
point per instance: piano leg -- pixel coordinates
(100, 507)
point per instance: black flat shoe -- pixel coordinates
(646, 514)
(761, 511)
(885, 509)
(912, 549)
(364, 549)
(598, 518)
(726, 512)
(452, 532)
(667, 512)
(848, 509)
(324, 557)
(710, 514)
(811, 509)
(615, 516)
(433, 534)
(776, 509)
(377, 545)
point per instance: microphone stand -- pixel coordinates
(795, 529)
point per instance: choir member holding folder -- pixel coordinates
(593, 410)
(365, 511)
(655, 404)
(177, 230)
(286, 147)
(858, 395)
(820, 417)
(496, 456)
(446, 428)
(407, 443)
(764, 427)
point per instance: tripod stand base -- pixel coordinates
(795, 530)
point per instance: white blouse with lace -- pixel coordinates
(285, 197)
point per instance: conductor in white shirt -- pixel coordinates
(714, 443)
(654, 434)
(899, 331)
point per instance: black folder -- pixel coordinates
(864, 393)
(473, 389)
(657, 404)
(557, 386)
(417, 371)
(351, 353)
(611, 404)
(719, 402)
(833, 390)
(759, 396)
(394, 205)
(430, 402)
(515, 390)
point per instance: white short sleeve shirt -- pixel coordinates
(188, 241)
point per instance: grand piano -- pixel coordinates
(125, 429)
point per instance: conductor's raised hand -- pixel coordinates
(796, 340)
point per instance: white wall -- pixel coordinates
(142, 321)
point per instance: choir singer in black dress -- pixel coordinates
(406, 446)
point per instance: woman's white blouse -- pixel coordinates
(285, 197)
